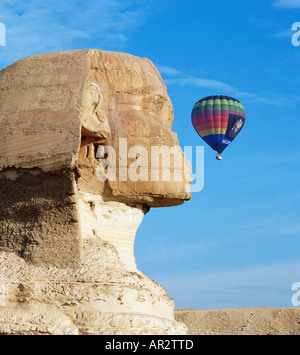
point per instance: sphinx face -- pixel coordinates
(129, 150)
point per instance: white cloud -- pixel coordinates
(266, 286)
(42, 26)
(287, 4)
(283, 34)
(201, 82)
(272, 227)
(175, 77)
(167, 70)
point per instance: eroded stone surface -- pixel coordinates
(99, 297)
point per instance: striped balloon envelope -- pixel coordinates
(218, 120)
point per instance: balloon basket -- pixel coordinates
(219, 157)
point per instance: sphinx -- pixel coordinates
(67, 263)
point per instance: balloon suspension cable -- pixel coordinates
(219, 157)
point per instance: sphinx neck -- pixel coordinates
(112, 221)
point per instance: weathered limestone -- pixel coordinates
(99, 297)
(67, 262)
(112, 221)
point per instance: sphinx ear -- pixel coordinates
(95, 121)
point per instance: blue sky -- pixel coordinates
(236, 243)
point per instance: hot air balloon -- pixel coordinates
(218, 120)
